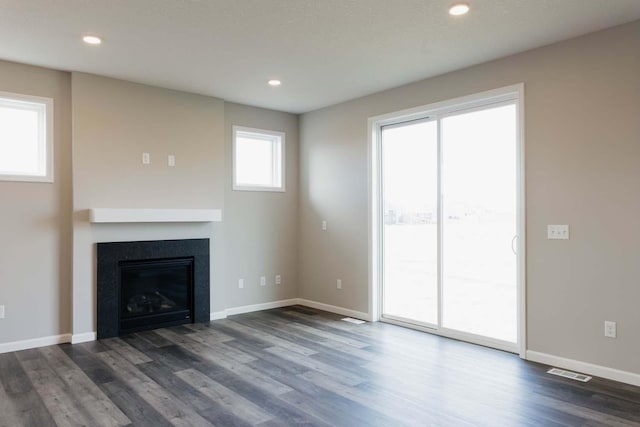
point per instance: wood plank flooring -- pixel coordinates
(296, 366)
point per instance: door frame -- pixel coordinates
(513, 93)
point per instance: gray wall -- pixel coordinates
(35, 230)
(261, 226)
(582, 152)
(47, 259)
(114, 122)
(582, 102)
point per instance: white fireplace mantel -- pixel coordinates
(107, 215)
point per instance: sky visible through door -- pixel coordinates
(479, 282)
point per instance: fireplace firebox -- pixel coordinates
(155, 291)
(146, 285)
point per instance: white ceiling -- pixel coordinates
(324, 51)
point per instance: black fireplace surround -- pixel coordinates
(151, 284)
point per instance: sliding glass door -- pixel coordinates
(410, 224)
(449, 222)
(479, 223)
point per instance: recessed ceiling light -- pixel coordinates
(459, 9)
(92, 40)
(274, 82)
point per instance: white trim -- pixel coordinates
(217, 315)
(260, 307)
(84, 337)
(521, 224)
(501, 94)
(374, 219)
(107, 215)
(92, 336)
(456, 335)
(335, 309)
(584, 367)
(278, 139)
(34, 343)
(533, 356)
(440, 225)
(436, 111)
(46, 115)
(223, 314)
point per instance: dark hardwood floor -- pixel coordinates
(296, 366)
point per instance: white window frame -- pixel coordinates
(269, 135)
(44, 108)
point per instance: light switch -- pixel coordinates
(558, 232)
(610, 329)
(171, 160)
(146, 158)
(324, 225)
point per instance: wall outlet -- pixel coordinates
(339, 284)
(171, 160)
(278, 279)
(146, 158)
(1, 311)
(240, 283)
(263, 281)
(610, 329)
(324, 225)
(558, 232)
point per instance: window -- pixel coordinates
(26, 138)
(258, 159)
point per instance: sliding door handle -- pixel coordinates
(513, 248)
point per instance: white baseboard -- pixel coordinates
(84, 337)
(534, 356)
(216, 315)
(263, 306)
(92, 336)
(585, 368)
(34, 343)
(335, 309)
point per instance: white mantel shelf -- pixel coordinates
(105, 215)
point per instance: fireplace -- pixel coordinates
(152, 284)
(156, 291)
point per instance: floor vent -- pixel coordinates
(352, 320)
(569, 374)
